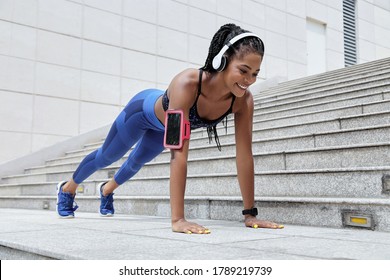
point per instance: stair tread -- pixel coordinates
(69, 156)
(378, 65)
(261, 107)
(336, 89)
(283, 199)
(230, 156)
(307, 113)
(225, 174)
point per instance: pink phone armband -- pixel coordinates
(177, 129)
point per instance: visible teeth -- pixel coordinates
(241, 86)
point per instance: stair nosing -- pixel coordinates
(287, 199)
(229, 174)
(334, 91)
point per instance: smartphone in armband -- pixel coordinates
(176, 129)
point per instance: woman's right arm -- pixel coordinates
(182, 94)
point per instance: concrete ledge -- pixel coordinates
(10, 253)
(361, 182)
(307, 211)
(17, 166)
(151, 238)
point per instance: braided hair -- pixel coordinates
(239, 48)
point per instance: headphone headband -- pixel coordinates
(218, 59)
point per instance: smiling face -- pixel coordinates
(242, 72)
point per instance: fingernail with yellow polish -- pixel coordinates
(255, 226)
(189, 232)
(207, 231)
(281, 226)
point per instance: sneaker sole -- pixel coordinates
(107, 215)
(59, 185)
(99, 186)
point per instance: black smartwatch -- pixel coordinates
(253, 212)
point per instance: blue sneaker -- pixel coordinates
(65, 202)
(106, 202)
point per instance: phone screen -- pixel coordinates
(173, 129)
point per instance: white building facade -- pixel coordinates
(69, 66)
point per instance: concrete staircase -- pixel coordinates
(321, 149)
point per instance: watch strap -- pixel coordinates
(252, 212)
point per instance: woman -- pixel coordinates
(205, 97)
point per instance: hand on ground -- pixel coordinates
(187, 227)
(255, 223)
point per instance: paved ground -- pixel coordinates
(34, 234)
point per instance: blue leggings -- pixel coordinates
(137, 123)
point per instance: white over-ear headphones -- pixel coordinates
(219, 61)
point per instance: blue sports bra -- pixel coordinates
(196, 121)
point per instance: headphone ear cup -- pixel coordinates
(223, 64)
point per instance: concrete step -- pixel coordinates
(330, 124)
(326, 89)
(310, 211)
(282, 119)
(312, 127)
(375, 113)
(327, 105)
(309, 158)
(198, 142)
(285, 118)
(340, 75)
(198, 138)
(349, 182)
(373, 93)
(323, 139)
(200, 135)
(317, 130)
(368, 100)
(260, 130)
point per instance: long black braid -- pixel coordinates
(239, 48)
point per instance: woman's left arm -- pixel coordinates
(243, 122)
